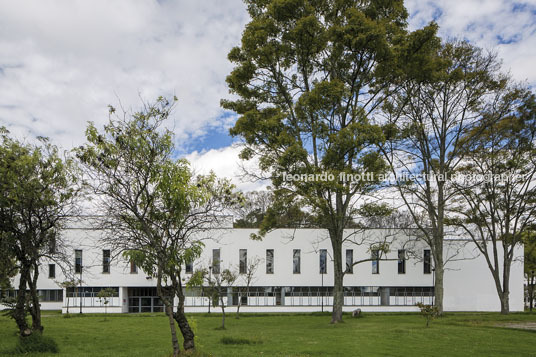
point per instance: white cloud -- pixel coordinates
(62, 62)
(226, 163)
(506, 26)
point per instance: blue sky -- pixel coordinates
(63, 61)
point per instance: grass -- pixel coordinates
(380, 334)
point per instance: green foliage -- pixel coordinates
(195, 328)
(529, 240)
(300, 73)
(259, 207)
(8, 265)
(213, 284)
(35, 179)
(37, 194)
(9, 306)
(429, 312)
(36, 343)
(310, 76)
(426, 118)
(155, 208)
(375, 210)
(149, 195)
(104, 295)
(496, 206)
(67, 284)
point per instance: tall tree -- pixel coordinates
(529, 239)
(156, 211)
(37, 195)
(308, 76)
(495, 200)
(426, 118)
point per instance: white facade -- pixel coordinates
(468, 283)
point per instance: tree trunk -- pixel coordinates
(502, 292)
(238, 305)
(35, 309)
(505, 296)
(531, 292)
(169, 312)
(438, 287)
(338, 293)
(222, 314)
(174, 340)
(505, 303)
(19, 313)
(182, 321)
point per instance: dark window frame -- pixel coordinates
(133, 268)
(323, 261)
(106, 259)
(270, 261)
(52, 271)
(296, 261)
(242, 261)
(427, 261)
(349, 262)
(401, 261)
(375, 256)
(189, 267)
(216, 261)
(78, 261)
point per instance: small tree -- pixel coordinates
(215, 285)
(104, 297)
(68, 284)
(247, 278)
(429, 312)
(157, 210)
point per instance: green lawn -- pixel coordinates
(456, 334)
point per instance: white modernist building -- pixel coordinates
(294, 273)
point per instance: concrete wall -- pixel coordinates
(468, 282)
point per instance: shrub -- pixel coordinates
(227, 340)
(36, 343)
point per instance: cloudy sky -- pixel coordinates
(63, 62)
